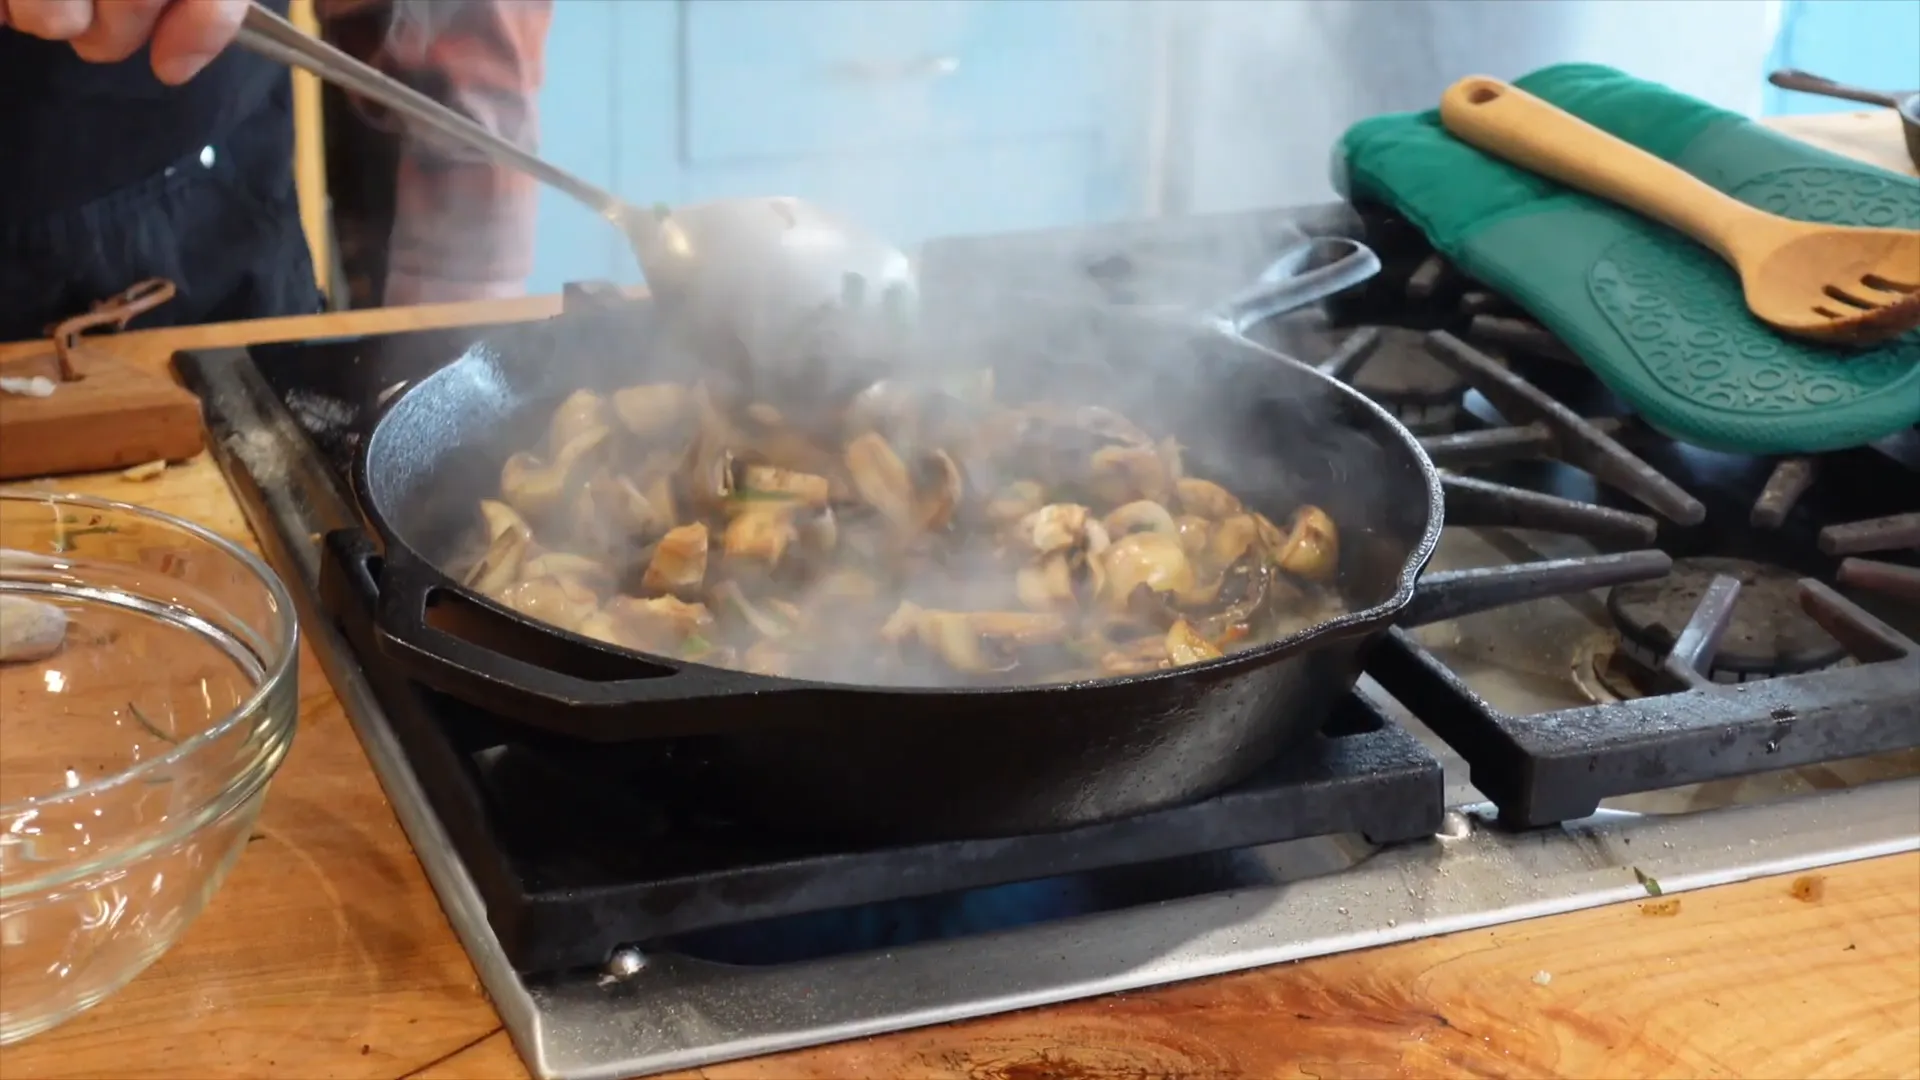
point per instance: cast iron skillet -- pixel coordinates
(916, 763)
(1906, 104)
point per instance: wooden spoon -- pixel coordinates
(1831, 283)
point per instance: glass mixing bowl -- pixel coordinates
(133, 760)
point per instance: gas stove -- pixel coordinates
(1724, 690)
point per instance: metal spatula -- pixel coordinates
(1831, 283)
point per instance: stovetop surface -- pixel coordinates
(1573, 698)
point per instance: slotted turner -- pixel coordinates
(1830, 283)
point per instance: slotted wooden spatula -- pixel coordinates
(1831, 283)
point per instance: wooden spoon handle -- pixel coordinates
(1511, 124)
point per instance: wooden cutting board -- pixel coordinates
(103, 413)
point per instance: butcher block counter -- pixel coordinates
(327, 955)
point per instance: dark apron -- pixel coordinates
(210, 206)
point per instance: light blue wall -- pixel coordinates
(921, 118)
(1870, 43)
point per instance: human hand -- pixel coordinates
(186, 34)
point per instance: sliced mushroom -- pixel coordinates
(565, 602)
(983, 643)
(1204, 498)
(1185, 646)
(761, 533)
(881, 478)
(1312, 549)
(1048, 585)
(1194, 532)
(582, 412)
(534, 487)
(1055, 527)
(659, 624)
(508, 538)
(566, 564)
(1143, 515)
(763, 482)
(938, 495)
(763, 620)
(1122, 474)
(653, 410)
(1232, 539)
(679, 563)
(1150, 560)
(609, 517)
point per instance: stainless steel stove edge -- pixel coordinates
(672, 1013)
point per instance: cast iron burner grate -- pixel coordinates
(1823, 680)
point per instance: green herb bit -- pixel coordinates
(695, 647)
(1647, 881)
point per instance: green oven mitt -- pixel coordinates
(1657, 317)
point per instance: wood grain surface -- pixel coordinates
(327, 955)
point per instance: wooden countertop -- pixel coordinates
(327, 955)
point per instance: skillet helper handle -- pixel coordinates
(1303, 275)
(535, 693)
(1521, 129)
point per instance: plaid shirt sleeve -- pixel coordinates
(463, 227)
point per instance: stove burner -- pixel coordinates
(1769, 634)
(1392, 366)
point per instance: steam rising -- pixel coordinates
(1112, 319)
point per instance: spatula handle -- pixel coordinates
(1513, 125)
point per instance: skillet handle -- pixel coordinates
(1303, 275)
(577, 687)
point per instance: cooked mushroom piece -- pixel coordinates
(1194, 532)
(1312, 550)
(1150, 560)
(1231, 540)
(881, 478)
(1204, 498)
(770, 482)
(609, 517)
(563, 601)
(1121, 474)
(679, 563)
(986, 642)
(566, 564)
(761, 533)
(508, 538)
(654, 410)
(1056, 527)
(1047, 586)
(580, 413)
(1185, 646)
(1143, 515)
(938, 493)
(660, 624)
(534, 487)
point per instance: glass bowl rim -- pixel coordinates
(271, 679)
